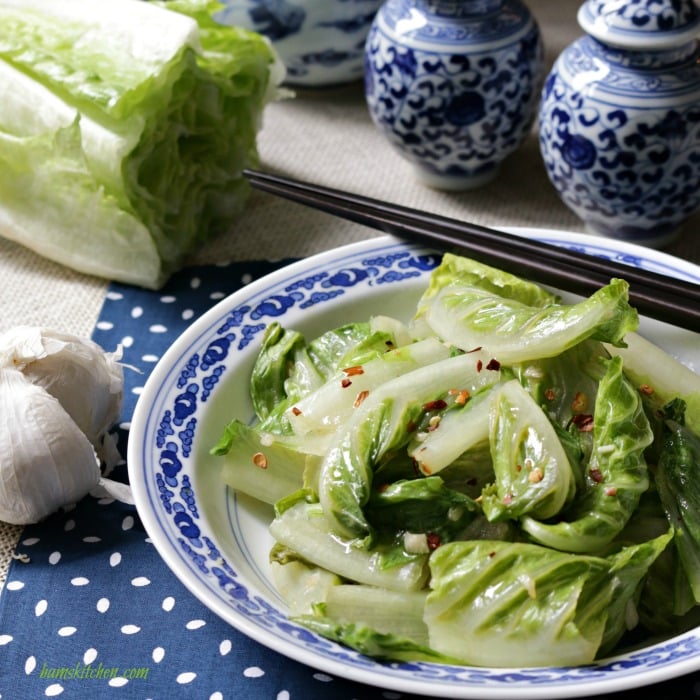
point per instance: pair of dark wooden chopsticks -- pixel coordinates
(655, 295)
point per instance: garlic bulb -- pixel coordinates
(59, 396)
(47, 461)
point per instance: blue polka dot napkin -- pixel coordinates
(90, 610)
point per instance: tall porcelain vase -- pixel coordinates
(620, 119)
(454, 84)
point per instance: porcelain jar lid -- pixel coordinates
(641, 24)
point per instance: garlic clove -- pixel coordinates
(86, 380)
(45, 459)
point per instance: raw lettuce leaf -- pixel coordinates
(124, 127)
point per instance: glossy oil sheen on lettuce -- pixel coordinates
(482, 484)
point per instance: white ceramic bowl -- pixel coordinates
(321, 42)
(217, 542)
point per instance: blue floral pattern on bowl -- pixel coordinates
(321, 42)
(453, 86)
(212, 540)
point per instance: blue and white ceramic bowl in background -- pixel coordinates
(620, 119)
(321, 42)
(454, 85)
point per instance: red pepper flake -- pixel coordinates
(646, 389)
(611, 491)
(549, 394)
(434, 541)
(352, 371)
(296, 411)
(360, 398)
(425, 469)
(596, 475)
(492, 555)
(507, 499)
(259, 460)
(493, 365)
(479, 365)
(436, 405)
(518, 467)
(382, 488)
(345, 383)
(412, 426)
(584, 422)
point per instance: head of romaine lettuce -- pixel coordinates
(124, 128)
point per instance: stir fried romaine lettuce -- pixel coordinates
(616, 475)
(383, 422)
(532, 471)
(512, 321)
(505, 604)
(661, 377)
(483, 484)
(124, 128)
(678, 480)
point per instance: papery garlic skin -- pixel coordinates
(86, 380)
(46, 461)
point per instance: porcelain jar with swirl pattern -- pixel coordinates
(454, 84)
(619, 120)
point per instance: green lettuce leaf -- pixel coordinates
(494, 603)
(511, 320)
(533, 473)
(678, 481)
(124, 128)
(382, 423)
(617, 473)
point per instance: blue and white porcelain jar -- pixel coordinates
(320, 42)
(454, 84)
(620, 119)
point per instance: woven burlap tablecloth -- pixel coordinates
(325, 136)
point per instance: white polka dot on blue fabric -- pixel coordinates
(100, 593)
